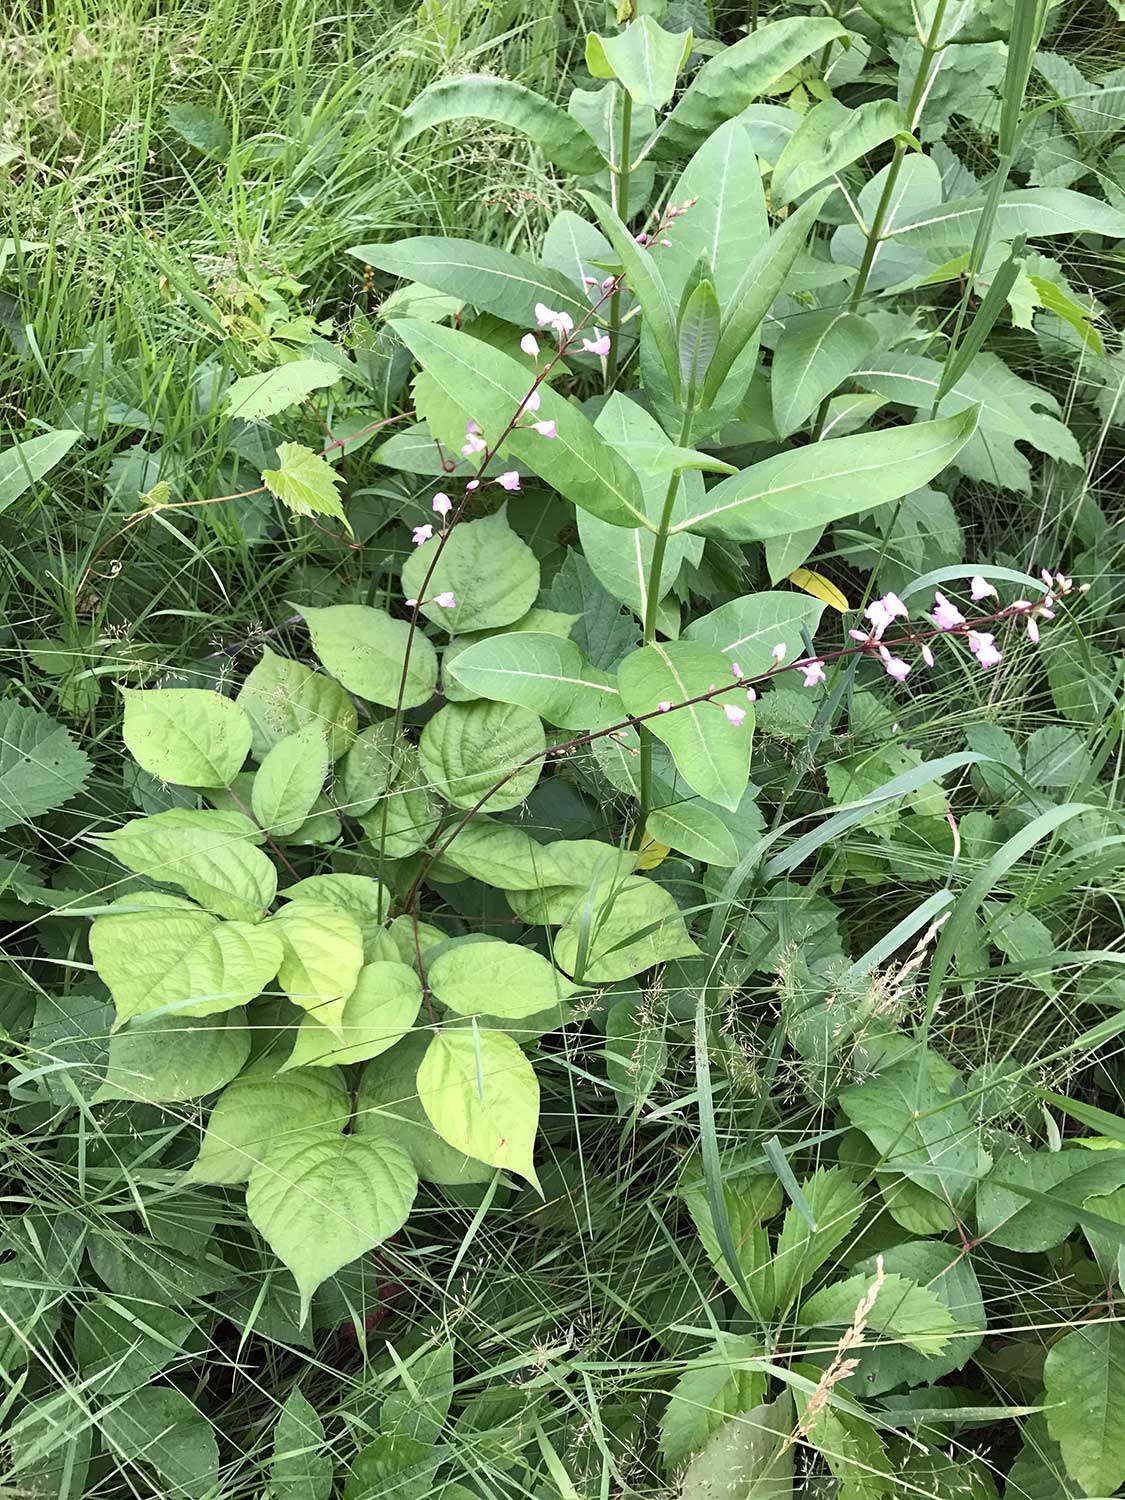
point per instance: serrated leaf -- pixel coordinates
(265, 395)
(706, 1395)
(305, 483)
(481, 1095)
(320, 1203)
(835, 1203)
(40, 765)
(905, 1312)
(747, 1458)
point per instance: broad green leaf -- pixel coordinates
(491, 572)
(281, 697)
(164, 1061)
(201, 126)
(855, 1454)
(41, 767)
(491, 386)
(544, 673)
(946, 229)
(159, 953)
(904, 1312)
(420, 1411)
(159, 1428)
(835, 1203)
(365, 650)
(1028, 1225)
(918, 1126)
(644, 58)
(561, 139)
(825, 481)
(711, 753)
(692, 828)
(482, 1097)
(190, 736)
(738, 75)
(320, 1203)
(747, 1458)
(388, 1107)
(496, 979)
(621, 557)
(255, 1112)
(916, 190)
(1085, 1395)
(830, 138)
(707, 1394)
(210, 855)
(395, 1467)
(749, 1199)
(727, 223)
(301, 1467)
(405, 819)
(361, 896)
(25, 463)
(645, 281)
(493, 280)
(305, 483)
(619, 929)
(289, 781)
(507, 857)
(379, 1012)
(817, 352)
(368, 769)
(322, 959)
(746, 630)
(265, 395)
(119, 1351)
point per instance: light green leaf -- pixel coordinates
(161, 1061)
(1085, 1393)
(365, 650)
(545, 673)
(738, 75)
(707, 1394)
(505, 856)
(643, 275)
(711, 753)
(404, 820)
(619, 929)
(825, 481)
(257, 396)
(746, 630)
(361, 896)
(497, 979)
(945, 230)
(749, 1199)
(394, 1465)
(24, 464)
(491, 279)
(201, 126)
(159, 953)
(817, 352)
(320, 1203)
(854, 1453)
(694, 829)
(210, 855)
(159, 1428)
(305, 483)
(644, 58)
(482, 1097)
(388, 1107)
(561, 139)
(830, 138)
(41, 767)
(281, 697)
(904, 1312)
(491, 572)
(289, 781)
(302, 1467)
(322, 959)
(256, 1112)
(379, 1012)
(747, 1458)
(367, 771)
(491, 386)
(835, 1203)
(190, 736)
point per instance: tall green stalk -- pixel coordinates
(621, 208)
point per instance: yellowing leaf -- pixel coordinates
(819, 587)
(652, 853)
(305, 482)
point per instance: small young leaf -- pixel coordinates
(305, 483)
(482, 1096)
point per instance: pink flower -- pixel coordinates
(980, 588)
(813, 673)
(530, 344)
(546, 429)
(779, 651)
(860, 635)
(531, 402)
(1033, 630)
(641, 239)
(422, 534)
(735, 670)
(927, 655)
(734, 714)
(751, 695)
(589, 281)
(472, 484)
(946, 616)
(882, 612)
(895, 667)
(561, 322)
(509, 480)
(442, 504)
(1045, 574)
(446, 600)
(412, 604)
(474, 442)
(983, 647)
(607, 283)
(665, 706)
(599, 346)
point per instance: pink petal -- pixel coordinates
(530, 344)
(734, 714)
(665, 706)
(446, 600)
(546, 429)
(442, 504)
(779, 651)
(509, 480)
(980, 588)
